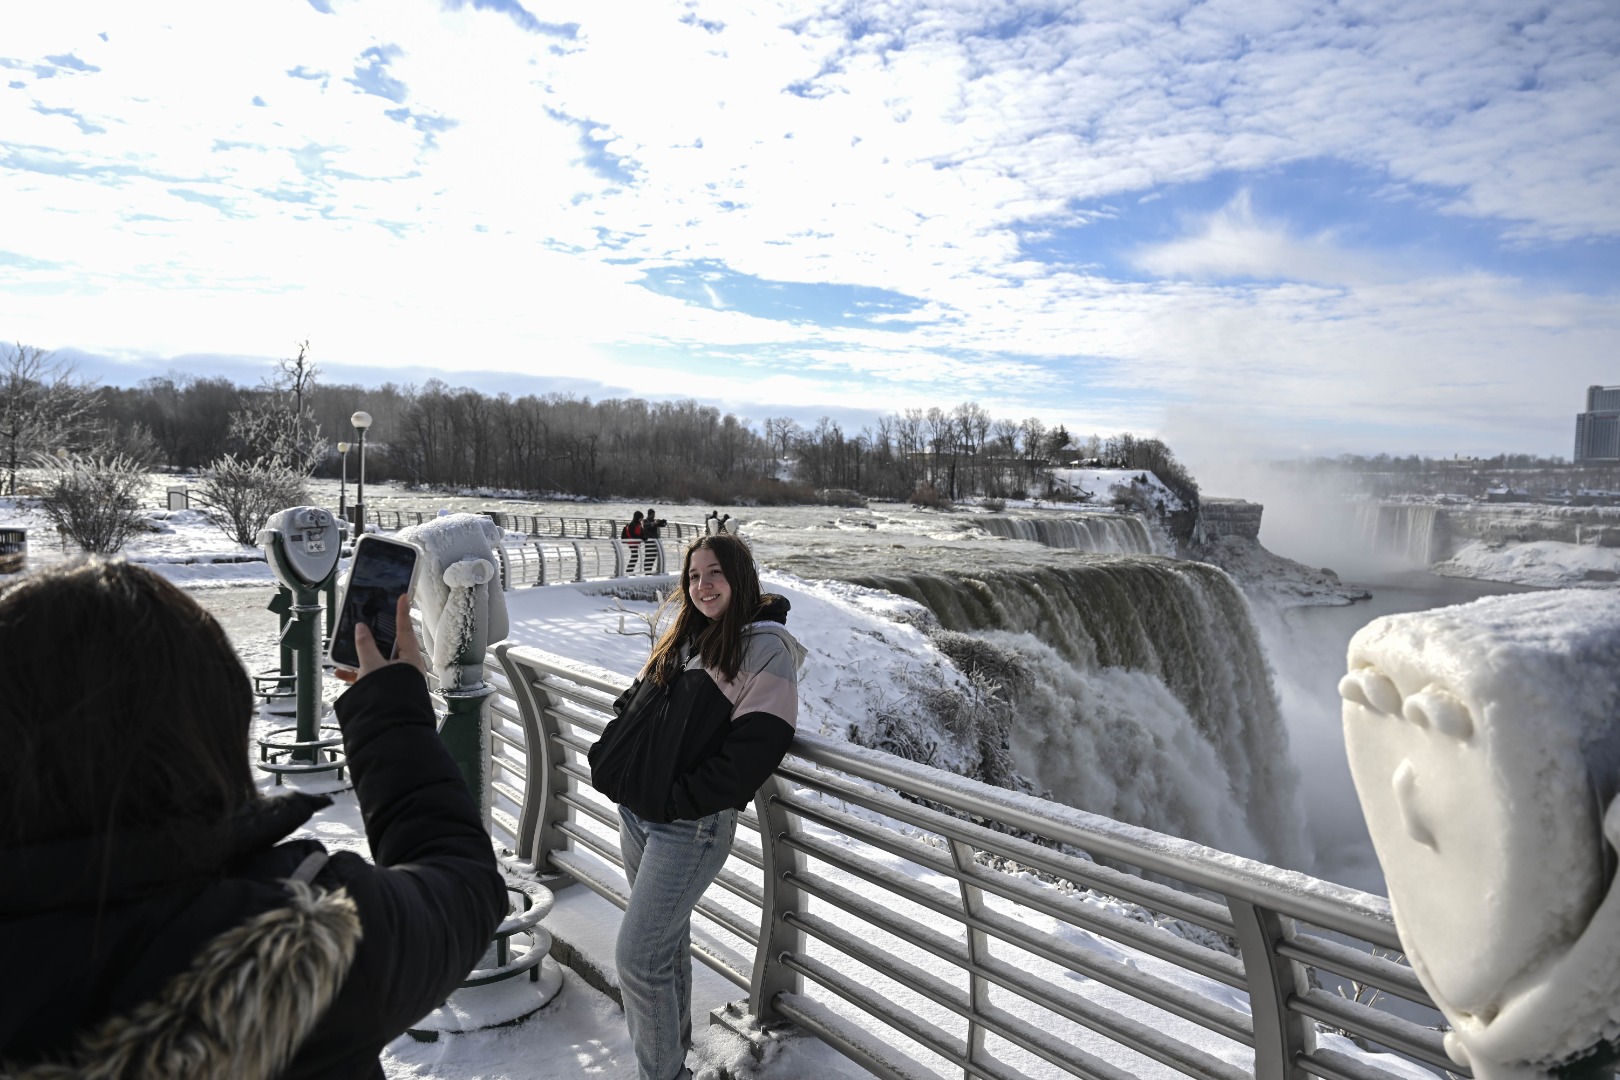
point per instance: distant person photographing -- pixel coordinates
(652, 528)
(154, 917)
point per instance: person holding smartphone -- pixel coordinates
(152, 909)
(693, 739)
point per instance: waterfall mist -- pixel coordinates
(1150, 692)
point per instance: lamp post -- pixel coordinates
(361, 421)
(343, 483)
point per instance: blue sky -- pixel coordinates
(1257, 227)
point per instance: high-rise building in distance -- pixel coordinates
(1597, 430)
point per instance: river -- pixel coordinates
(1307, 648)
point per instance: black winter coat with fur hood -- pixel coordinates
(184, 963)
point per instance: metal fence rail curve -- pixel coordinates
(792, 919)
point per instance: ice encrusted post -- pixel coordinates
(458, 592)
(462, 612)
(1484, 741)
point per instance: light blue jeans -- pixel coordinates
(669, 867)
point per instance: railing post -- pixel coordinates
(503, 564)
(543, 808)
(661, 555)
(540, 556)
(978, 950)
(618, 558)
(1280, 1034)
(782, 897)
(579, 563)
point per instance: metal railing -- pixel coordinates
(585, 527)
(549, 562)
(871, 875)
(13, 550)
(537, 525)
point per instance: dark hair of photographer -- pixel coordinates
(125, 708)
(151, 903)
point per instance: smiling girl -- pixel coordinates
(694, 737)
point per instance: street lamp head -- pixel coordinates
(361, 420)
(343, 448)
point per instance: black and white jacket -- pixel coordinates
(255, 956)
(704, 742)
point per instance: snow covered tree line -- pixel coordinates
(255, 445)
(935, 455)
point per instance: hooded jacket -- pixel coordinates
(704, 742)
(255, 956)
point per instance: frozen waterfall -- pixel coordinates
(1148, 696)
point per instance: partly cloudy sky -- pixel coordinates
(1287, 227)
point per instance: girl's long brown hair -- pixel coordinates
(718, 641)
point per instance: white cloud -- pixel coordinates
(195, 221)
(1234, 243)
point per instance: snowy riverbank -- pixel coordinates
(1548, 564)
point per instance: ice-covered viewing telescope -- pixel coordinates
(1484, 741)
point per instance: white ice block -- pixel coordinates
(1484, 741)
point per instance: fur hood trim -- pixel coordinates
(243, 1008)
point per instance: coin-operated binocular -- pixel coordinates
(302, 544)
(1484, 741)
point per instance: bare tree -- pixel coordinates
(95, 500)
(43, 407)
(781, 432)
(241, 495)
(278, 426)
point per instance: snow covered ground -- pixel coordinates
(1546, 563)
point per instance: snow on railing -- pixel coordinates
(548, 562)
(926, 924)
(536, 525)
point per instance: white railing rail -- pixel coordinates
(526, 562)
(993, 888)
(536, 525)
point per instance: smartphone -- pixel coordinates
(382, 571)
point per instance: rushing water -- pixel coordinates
(1104, 534)
(1148, 696)
(1409, 532)
(1307, 647)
